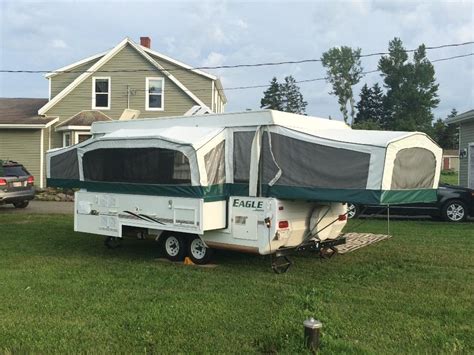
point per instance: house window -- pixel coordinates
(154, 94)
(101, 93)
(67, 139)
(81, 137)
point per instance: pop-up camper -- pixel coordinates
(258, 181)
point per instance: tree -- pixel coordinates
(272, 97)
(284, 97)
(446, 135)
(292, 97)
(370, 108)
(343, 71)
(411, 89)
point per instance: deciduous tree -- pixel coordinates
(344, 70)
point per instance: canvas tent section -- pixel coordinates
(357, 166)
(265, 153)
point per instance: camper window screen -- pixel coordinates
(242, 150)
(313, 165)
(414, 168)
(215, 164)
(65, 165)
(137, 165)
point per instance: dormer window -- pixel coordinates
(154, 94)
(101, 93)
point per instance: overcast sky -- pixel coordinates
(46, 35)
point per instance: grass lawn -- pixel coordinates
(64, 292)
(450, 178)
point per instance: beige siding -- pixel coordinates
(466, 136)
(46, 147)
(176, 102)
(23, 146)
(199, 85)
(60, 81)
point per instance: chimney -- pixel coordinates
(145, 41)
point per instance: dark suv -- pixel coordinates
(454, 204)
(16, 184)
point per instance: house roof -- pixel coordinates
(85, 118)
(104, 60)
(465, 116)
(449, 152)
(148, 51)
(23, 113)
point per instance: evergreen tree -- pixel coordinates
(284, 97)
(411, 89)
(272, 98)
(292, 98)
(343, 71)
(370, 108)
(446, 135)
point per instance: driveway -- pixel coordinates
(40, 207)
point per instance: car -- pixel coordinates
(17, 185)
(454, 204)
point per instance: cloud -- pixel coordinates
(58, 44)
(214, 59)
(231, 32)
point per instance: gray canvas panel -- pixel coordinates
(313, 165)
(242, 151)
(215, 164)
(65, 165)
(414, 168)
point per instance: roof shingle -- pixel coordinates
(22, 111)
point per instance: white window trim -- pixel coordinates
(109, 101)
(147, 80)
(64, 139)
(83, 133)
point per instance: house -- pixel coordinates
(24, 135)
(450, 160)
(127, 81)
(466, 147)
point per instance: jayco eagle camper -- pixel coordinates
(258, 181)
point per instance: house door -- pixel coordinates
(470, 168)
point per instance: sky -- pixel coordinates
(47, 35)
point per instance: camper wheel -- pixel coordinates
(174, 247)
(113, 242)
(198, 251)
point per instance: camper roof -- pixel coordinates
(238, 119)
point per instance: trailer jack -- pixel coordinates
(281, 264)
(325, 249)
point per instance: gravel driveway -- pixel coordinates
(40, 207)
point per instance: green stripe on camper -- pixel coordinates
(359, 196)
(223, 191)
(392, 197)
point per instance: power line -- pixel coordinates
(224, 66)
(297, 81)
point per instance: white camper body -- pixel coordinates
(253, 181)
(237, 224)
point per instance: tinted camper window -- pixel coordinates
(242, 150)
(137, 165)
(313, 165)
(215, 164)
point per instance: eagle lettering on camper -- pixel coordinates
(258, 205)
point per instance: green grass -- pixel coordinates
(64, 292)
(449, 177)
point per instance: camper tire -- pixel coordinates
(198, 251)
(113, 242)
(174, 247)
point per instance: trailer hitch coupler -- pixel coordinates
(312, 329)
